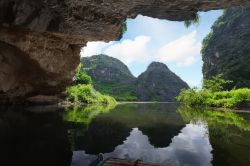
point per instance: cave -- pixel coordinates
(40, 40)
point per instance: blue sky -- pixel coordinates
(149, 39)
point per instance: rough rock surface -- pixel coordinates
(158, 83)
(227, 48)
(45, 36)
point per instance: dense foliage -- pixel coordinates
(226, 49)
(195, 21)
(217, 83)
(212, 96)
(123, 92)
(111, 76)
(227, 99)
(81, 77)
(83, 91)
(87, 94)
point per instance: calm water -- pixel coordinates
(158, 133)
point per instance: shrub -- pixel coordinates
(81, 77)
(192, 97)
(217, 83)
(194, 21)
(87, 94)
(226, 99)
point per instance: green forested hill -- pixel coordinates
(227, 48)
(158, 83)
(111, 76)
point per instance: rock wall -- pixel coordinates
(227, 48)
(42, 38)
(34, 63)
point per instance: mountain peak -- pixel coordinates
(157, 65)
(158, 83)
(111, 76)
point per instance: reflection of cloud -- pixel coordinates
(80, 158)
(190, 147)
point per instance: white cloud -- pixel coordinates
(130, 51)
(183, 51)
(94, 48)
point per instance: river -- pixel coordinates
(162, 133)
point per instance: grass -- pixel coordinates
(226, 99)
(82, 93)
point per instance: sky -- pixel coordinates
(149, 39)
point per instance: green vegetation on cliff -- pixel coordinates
(211, 96)
(159, 83)
(83, 91)
(110, 76)
(226, 49)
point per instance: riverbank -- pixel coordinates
(220, 99)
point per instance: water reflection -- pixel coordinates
(33, 138)
(158, 133)
(190, 147)
(110, 129)
(229, 134)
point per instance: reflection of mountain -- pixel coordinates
(190, 147)
(159, 121)
(33, 139)
(77, 120)
(103, 135)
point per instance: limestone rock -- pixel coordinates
(227, 48)
(41, 39)
(158, 83)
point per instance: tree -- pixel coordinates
(195, 21)
(216, 84)
(81, 77)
